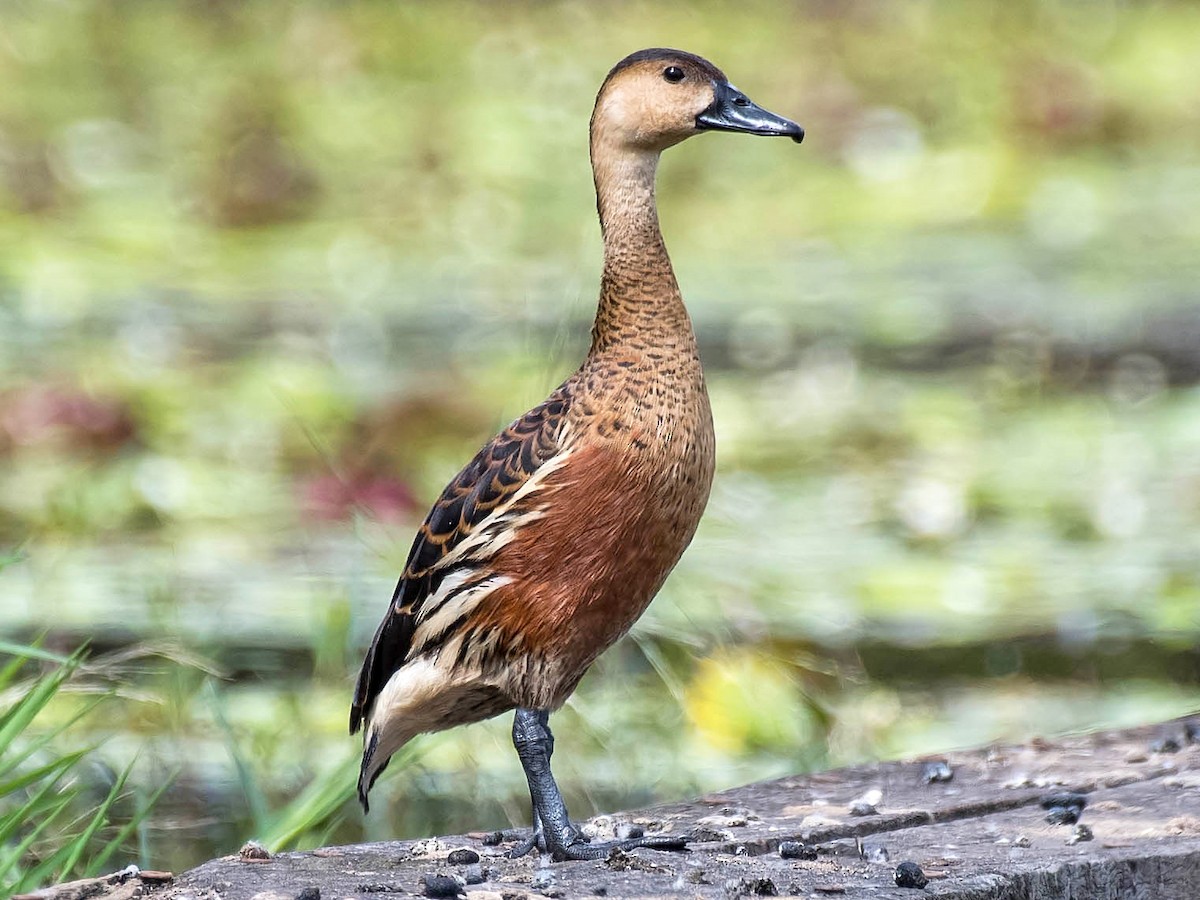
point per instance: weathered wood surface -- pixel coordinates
(979, 836)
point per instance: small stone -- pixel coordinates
(1062, 815)
(867, 803)
(441, 886)
(462, 857)
(1165, 744)
(427, 847)
(542, 879)
(1022, 841)
(1191, 731)
(1118, 778)
(875, 853)
(696, 876)
(600, 890)
(736, 888)
(253, 851)
(1136, 756)
(599, 828)
(1064, 798)
(493, 839)
(309, 893)
(909, 875)
(1064, 808)
(796, 850)
(473, 874)
(739, 813)
(627, 831)
(1079, 835)
(937, 772)
(1183, 825)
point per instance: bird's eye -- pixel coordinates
(673, 74)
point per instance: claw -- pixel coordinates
(526, 846)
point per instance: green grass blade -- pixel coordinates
(12, 879)
(97, 862)
(38, 823)
(312, 807)
(10, 670)
(17, 718)
(32, 651)
(13, 760)
(99, 818)
(56, 767)
(32, 808)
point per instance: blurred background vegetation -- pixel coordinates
(271, 271)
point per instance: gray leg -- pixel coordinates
(552, 828)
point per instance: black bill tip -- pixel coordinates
(731, 110)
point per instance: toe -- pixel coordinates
(535, 841)
(582, 850)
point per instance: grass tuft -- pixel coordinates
(50, 828)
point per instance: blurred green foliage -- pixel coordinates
(272, 271)
(55, 822)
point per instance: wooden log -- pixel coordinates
(976, 823)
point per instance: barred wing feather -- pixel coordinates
(454, 539)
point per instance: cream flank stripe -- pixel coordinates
(417, 694)
(457, 595)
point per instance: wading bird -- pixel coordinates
(551, 542)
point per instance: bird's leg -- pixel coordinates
(552, 829)
(535, 746)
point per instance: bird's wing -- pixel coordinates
(466, 525)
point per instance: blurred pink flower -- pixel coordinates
(330, 498)
(38, 415)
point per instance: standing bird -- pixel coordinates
(553, 540)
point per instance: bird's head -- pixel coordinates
(653, 99)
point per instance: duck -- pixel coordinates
(552, 541)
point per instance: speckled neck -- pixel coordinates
(639, 297)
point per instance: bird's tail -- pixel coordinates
(368, 772)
